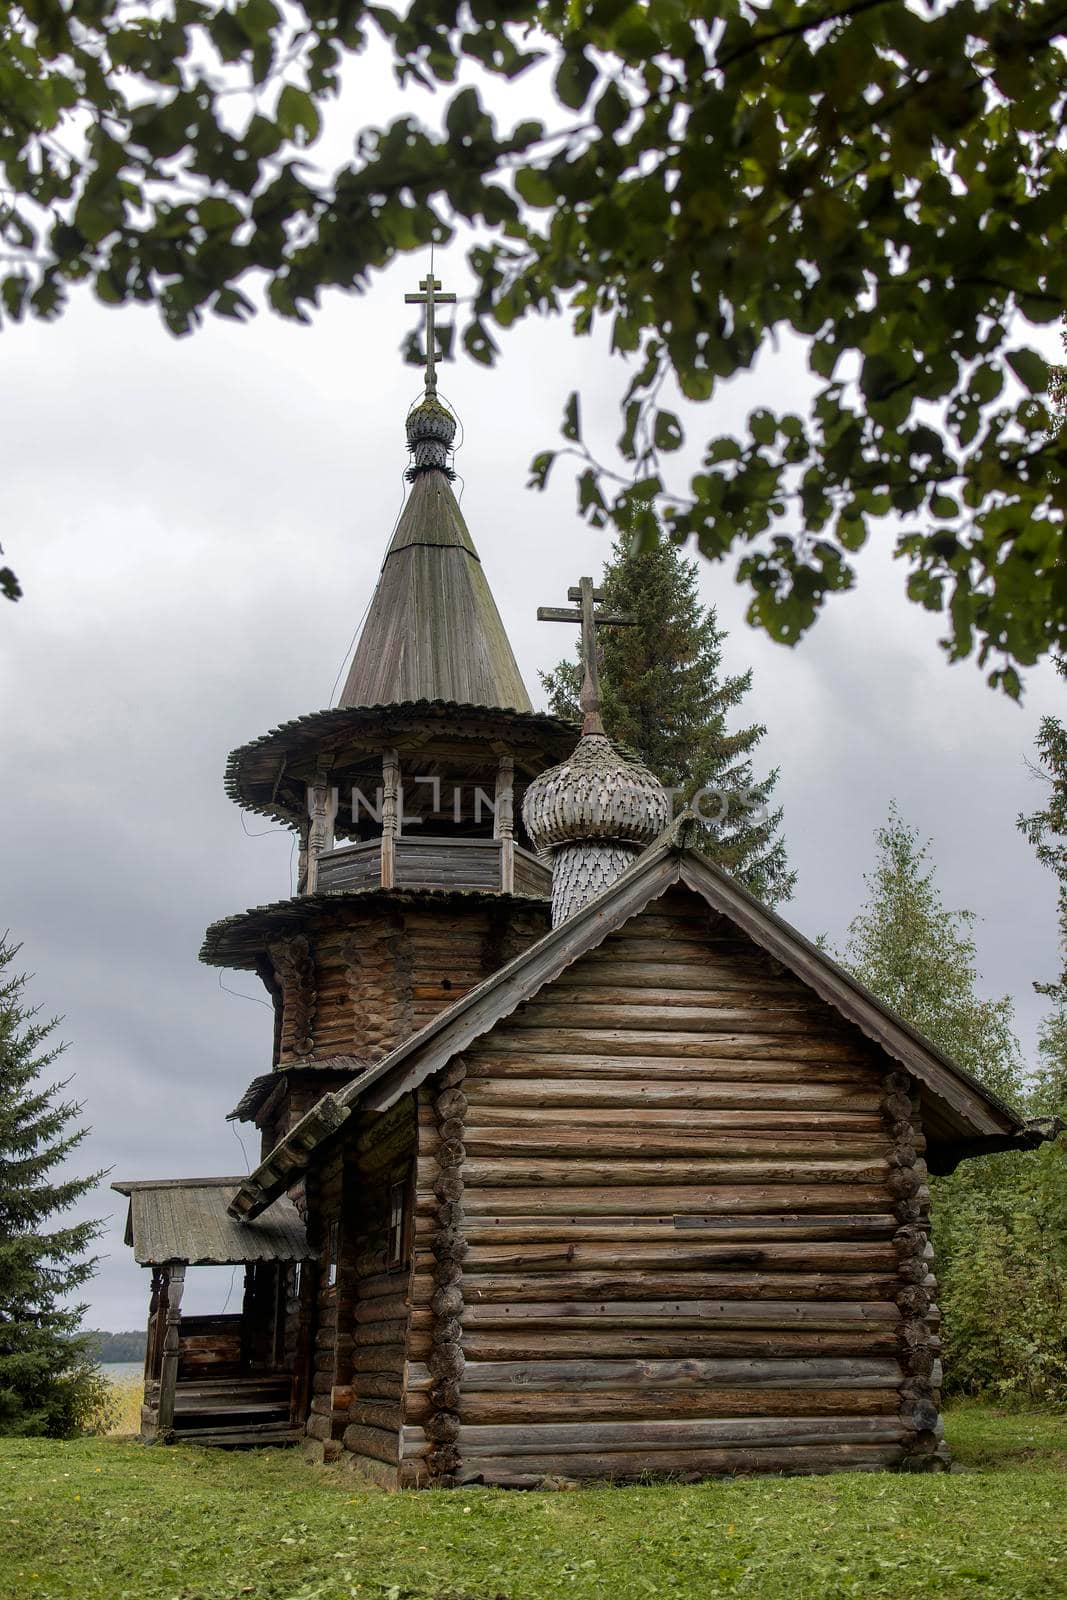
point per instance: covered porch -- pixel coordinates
(232, 1378)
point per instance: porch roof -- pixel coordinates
(186, 1219)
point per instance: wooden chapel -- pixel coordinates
(577, 1162)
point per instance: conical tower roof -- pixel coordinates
(433, 631)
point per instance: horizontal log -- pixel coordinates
(576, 1438)
(534, 1172)
(377, 1414)
(679, 1143)
(388, 1309)
(638, 1041)
(749, 1373)
(722, 1199)
(677, 1252)
(683, 986)
(517, 1290)
(371, 1333)
(751, 1097)
(794, 1015)
(561, 1342)
(528, 1471)
(377, 1386)
(377, 1443)
(680, 1313)
(758, 1228)
(625, 973)
(637, 1119)
(603, 1405)
(384, 1360)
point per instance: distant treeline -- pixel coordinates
(118, 1346)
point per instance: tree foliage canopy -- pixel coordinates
(666, 696)
(886, 180)
(47, 1380)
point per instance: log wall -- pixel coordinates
(671, 1218)
(367, 1405)
(362, 987)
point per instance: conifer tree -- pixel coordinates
(919, 958)
(666, 697)
(48, 1383)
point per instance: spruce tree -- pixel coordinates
(48, 1383)
(919, 958)
(666, 697)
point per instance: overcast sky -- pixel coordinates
(198, 526)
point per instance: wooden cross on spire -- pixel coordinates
(590, 619)
(430, 297)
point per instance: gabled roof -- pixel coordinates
(187, 1219)
(966, 1113)
(433, 631)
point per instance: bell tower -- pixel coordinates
(417, 878)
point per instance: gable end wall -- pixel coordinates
(671, 1217)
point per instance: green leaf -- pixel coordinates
(1030, 369)
(297, 115)
(571, 428)
(667, 431)
(575, 79)
(535, 187)
(943, 505)
(763, 427)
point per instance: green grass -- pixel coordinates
(109, 1518)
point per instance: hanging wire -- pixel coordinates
(241, 1142)
(229, 1293)
(262, 832)
(253, 997)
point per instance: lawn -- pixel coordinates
(110, 1518)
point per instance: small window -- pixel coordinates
(332, 1251)
(298, 1278)
(398, 1221)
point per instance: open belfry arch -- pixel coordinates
(577, 1162)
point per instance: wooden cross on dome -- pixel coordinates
(590, 619)
(430, 297)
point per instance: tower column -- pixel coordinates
(504, 822)
(390, 816)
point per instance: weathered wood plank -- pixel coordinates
(672, 1253)
(569, 1438)
(708, 1096)
(746, 1283)
(751, 1373)
(528, 1471)
(722, 1199)
(529, 1172)
(600, 1041)
(561, 1342)
(766, 1121)
(595, 1315)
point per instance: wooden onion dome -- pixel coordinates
(594, 813)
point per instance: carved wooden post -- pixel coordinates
(445, 1359)
(390, 816)
(322, 810)
(168, 1378)
(920, 1346)
(303, 866)
(504, 823)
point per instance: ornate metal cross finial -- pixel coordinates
(431, 297)
(590, 619)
